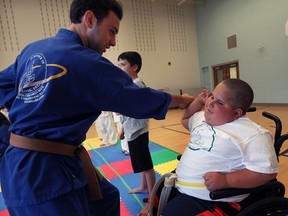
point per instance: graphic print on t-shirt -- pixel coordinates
(202, 137)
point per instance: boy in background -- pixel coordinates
(136, 130)
(118, 118)
(105, 126)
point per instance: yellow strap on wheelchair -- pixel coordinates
(170, 181)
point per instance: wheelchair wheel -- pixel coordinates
(274, 206)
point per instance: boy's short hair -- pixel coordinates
(100, 8)
(134, 58)
(243, 93)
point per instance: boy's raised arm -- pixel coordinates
(195, 106)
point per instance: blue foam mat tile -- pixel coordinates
(2, 203)
(112, 154)
(154, 147)
(131, 200)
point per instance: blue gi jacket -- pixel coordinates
(55, 90)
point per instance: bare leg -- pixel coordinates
(150, 179)
(143, 187)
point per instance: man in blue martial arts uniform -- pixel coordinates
(54, 91)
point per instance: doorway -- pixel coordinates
(225, 71)
(205, 78)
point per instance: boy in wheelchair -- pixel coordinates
(226, 150)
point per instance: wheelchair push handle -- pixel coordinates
(272, 117)
(252, 109)
(277, 122)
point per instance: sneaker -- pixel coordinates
(126, 152)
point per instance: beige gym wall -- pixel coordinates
(160, 30)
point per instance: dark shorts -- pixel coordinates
(140, 154)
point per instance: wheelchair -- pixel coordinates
(271, 202)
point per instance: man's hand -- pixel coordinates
(186, 100)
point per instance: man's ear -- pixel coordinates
(135, 67)
(238, 113)
(89, 19)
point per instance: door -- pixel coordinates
(225, 71)
(205, 78)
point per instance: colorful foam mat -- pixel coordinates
(116, 167)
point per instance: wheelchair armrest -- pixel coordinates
(275, 187)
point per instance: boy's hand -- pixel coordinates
(215, 181)
(203, 96)
(121, 133)
(121, 136)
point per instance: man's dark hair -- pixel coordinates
(134, 58)
(243, 93)
(100, 8)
